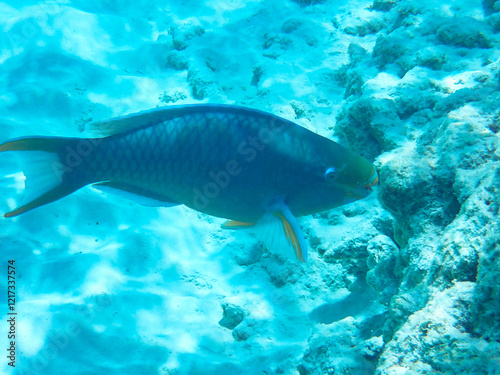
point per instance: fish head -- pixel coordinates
(348, 174)
(330, 179)
(336, 176)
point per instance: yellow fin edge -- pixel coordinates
(234, 224)
(291, 236)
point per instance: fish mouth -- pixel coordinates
(360, 192)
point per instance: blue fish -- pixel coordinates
(251, 167)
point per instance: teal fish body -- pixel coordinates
(226, 161)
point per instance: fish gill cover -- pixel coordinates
(404, 281)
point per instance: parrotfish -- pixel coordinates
(251, 167)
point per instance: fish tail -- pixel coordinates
(47, 177)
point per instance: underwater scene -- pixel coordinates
(297, 187)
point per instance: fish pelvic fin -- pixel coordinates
(46, 175)
(134, 193)
(281, 233)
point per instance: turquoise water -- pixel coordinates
(404, 281)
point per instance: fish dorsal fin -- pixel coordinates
(124, 124)
(143, 119)
(281, 233)
(139, 120)
(137, 194)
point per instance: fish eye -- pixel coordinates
(330, 174)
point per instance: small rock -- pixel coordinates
(291, 25)
(232, 316)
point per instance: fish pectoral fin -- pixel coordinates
(234, 224)
(135, 193)
(281, 233)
